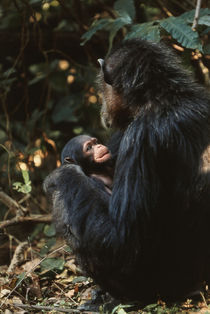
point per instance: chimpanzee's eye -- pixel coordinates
(89, 147)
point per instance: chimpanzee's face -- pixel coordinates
(95, 152)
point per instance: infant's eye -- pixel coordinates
(89, 147)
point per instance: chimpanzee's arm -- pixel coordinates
(80, 207)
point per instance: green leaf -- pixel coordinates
(125, 9)
(78, 130)
(37, 79)
(204, 20)
(3, 136)
(121, 311)
(96, 26)
(189, 16)
(46, 248)
(25, 175)
(9, 72)
(149, 31)
(68, 249)
(115, 26)
(20, 277)
(39, 68)
(182, 33)
(52, 263)
(79, 279)
(36, 231)
(49, 230)
(24, 188)
(17, 186)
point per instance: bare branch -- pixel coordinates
(10, 203)
(19, 219)
(197, 12)
(17, 256)
(50, 308)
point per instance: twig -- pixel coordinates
(30, 271)
(163, 8)
(25, 198)
(19, 219)
(50, 308)
(197, 12)
(9, 202)
(4, 147)
(16, 256)
(204, 70)
(204, 300)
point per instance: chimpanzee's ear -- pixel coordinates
(101, 62)
(105, 74)
(69, 160)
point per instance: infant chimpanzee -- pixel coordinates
(93, 157)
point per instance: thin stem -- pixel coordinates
(197, 12)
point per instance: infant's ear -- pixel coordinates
(69, 160)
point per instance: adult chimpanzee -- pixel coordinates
(93, 157)
(151, 236)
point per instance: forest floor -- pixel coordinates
(43, 277)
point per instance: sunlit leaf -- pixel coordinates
(23, 187)
(17, 185)
(25, 175)
(26, 188)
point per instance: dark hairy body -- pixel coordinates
(151, 236)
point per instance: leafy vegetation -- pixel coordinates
(48, 93)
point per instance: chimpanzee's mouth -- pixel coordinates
(104, 156)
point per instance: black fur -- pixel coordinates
(151, 237)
